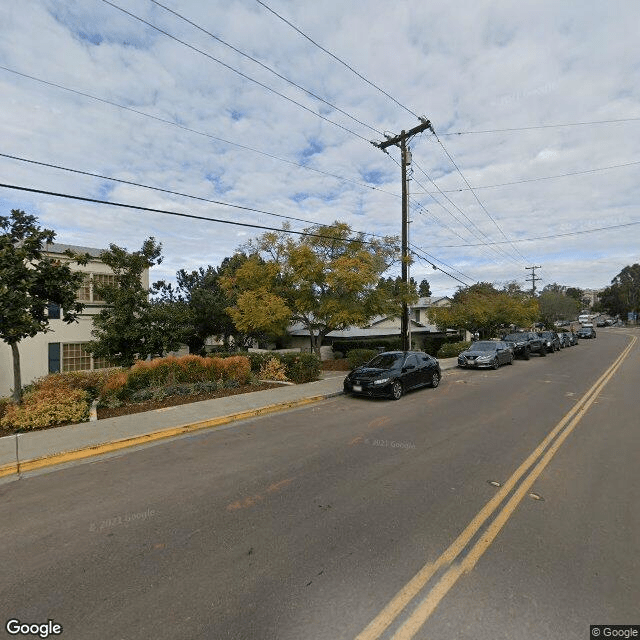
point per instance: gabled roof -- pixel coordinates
(61, 248)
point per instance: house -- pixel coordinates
(62, 347)
(380, 328)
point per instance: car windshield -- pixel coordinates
(483, 346)
(515, 337)
(386, 361)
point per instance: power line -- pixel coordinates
(337, 59)
(472, 229)
(448, 274)
(475, 195)
(146, 186)
(195, 131)
(191, 216)
(268, 68)
(560, 175)
(428, 258)
(164, 211)
(234, 70)
(550, 237)
(541, 126)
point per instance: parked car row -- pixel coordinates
(393, 373)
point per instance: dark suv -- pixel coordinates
(551, 340)
(525, 343)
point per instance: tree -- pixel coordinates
(29, 282)
(557, 306)
(129, 327)
(575, 293)
(623, 295)
(424, 290)
(481, 307)
(327, 281)
(199, 304)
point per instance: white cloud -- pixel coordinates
(465, 65)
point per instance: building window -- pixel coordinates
(84, 292)
(101, 279)
(53, 311)
(88, 290)
(54, 357)
(75, 358)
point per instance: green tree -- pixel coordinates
(326, 281)
(29, 282)
(623, 295)
(424, 290)
(575, 293)
(129, 326)
(483, 308)
(557, 306)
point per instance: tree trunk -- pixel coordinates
(17, 380)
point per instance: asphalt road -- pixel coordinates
(354, 518)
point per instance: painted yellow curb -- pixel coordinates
(108, 447)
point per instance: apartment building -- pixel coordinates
(62, 347)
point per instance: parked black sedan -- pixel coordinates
(393, 373)
(551, 340)
(486, 353)
(586, 332)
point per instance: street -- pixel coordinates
(355, 518)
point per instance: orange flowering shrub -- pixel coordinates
(47, 407)
(237, 368)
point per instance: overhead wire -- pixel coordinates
(234, 70)
(266, 67)
(541, 126)
(191, 216)
(475, 195)
(195, 131)
(539, 178)
(337, 59)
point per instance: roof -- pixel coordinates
(61, 248)
(430, 301)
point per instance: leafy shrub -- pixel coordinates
(142, 395)
(238, 369)
(452, 349)
(356, 357)
(301, 367)
(4, 403)
(338, 355)
(178, 390)
(205, 387)
(89, 381)
(273, 369)
(47, 407)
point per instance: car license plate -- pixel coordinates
(357, 387)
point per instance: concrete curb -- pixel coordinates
(9, 449)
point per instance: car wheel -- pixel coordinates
(527, 353)
(543, 351)
(496, 364)
(510, 360)
(396, 390)
(435, 379)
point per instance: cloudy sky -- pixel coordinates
(162, 103)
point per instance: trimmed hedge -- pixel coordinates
(356, 357)
(452, 349)
(47, 407)
(299, 367)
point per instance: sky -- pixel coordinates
(154, 97)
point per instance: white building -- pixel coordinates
(62, 347)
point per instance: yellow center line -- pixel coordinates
(391, 611)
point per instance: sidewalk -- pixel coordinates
(38, 449)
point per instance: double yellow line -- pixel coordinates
(540, 457)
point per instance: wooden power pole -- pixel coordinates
(401, 141)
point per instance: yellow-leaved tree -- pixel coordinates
(326, 280)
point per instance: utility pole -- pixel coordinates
(533, 278)
(405, 155)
